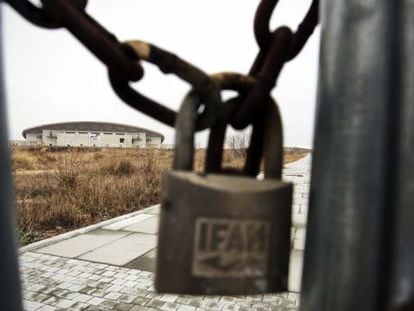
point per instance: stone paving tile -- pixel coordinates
(146, 262)
(149, 225)
(153, 210)
(295, 270)
(299, 238)
(123, 250)
(81, 244)
(127, 222)
(96, 289)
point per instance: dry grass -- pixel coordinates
(59, 190)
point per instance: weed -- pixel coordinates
(23, 161)
(119, 168)
(69, 170)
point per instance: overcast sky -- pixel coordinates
(50, 77)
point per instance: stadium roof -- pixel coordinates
(89, 126)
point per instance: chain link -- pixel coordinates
(169, 63)
(276, 48)
(305, 29)
(71, 15)
(37, 15)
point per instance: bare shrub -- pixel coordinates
(69, 170)
(60, 211)
(23, 161)
(98, 156)
(151, 172)
(46, 159)
(149, 168)
(46, 214)
(34, 185)
(25, 222)
(26, 237)
(238, 143)
(119, 168)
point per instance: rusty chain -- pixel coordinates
(123, 61)
(72, 16)
(168, 63)
(276, 48)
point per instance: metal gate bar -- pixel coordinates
(402, 269)
(10, 296)
(347, 251)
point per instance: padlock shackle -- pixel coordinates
(186, 120)
(273, 141)
(215, 150)
(266, 141)
(185, 125)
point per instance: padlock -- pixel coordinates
(221, 233)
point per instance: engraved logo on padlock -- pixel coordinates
(230, 248)
(223, 233)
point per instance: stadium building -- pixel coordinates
(92, 134)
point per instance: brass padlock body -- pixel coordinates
(222, 234)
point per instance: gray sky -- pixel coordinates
(50, 77)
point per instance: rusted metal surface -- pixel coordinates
(71, 15)
(95, 37)
(37, 15)
(263, 33)
(33, 14)
(169, 63)
(241, 84)
(304, 30)
(267, 75)
(276, 48)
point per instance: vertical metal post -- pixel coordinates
(402, 269)
(346, 256)
(10, 296)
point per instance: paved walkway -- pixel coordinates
(109, 266)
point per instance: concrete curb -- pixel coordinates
(70, 234)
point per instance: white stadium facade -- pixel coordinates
(92, 134)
